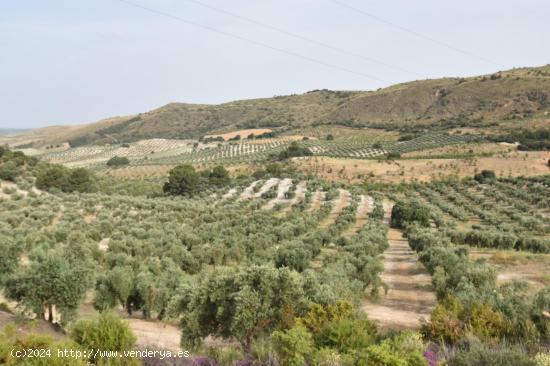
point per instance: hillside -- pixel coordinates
(508, 97)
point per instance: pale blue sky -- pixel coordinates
(77, 61)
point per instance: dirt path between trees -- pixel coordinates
(317, 200)
(343, 199)
(366, 205)
(410, 297)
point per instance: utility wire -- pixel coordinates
(413, 32)
(304, 38)
(257, 43)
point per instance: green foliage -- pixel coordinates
(294, 150)
(79, 180)
(347, 334)
(244, 304)
(56, 278)
(486, 176)
(16, 342)
(219, 176)
(118, 161)
(389, 353)
(183, 180)
(293, 256)
(404, 213)
(294, 346)
(446, 321)
(484, 356)
(529, 139)
(52, 177)
(186, 181)
(9, 171)
(486, 323)
(9, 260)
(393, 155)
(106, 332)
(540, 312)
(14, 163)
(63, 179)
(319, 315)
(451, 321)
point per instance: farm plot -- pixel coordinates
(97, 155)
(429, 141)
(171, 152)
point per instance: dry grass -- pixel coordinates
(513, 265)
(462, 149)
(520, 163)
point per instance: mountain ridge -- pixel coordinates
(508, 97)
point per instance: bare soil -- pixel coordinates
(282, 188)
(514, 265)
(520, 163)
(409, 298)
(249, 191)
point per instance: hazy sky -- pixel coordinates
(77, 61)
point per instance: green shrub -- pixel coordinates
(182, 180)
(445, 321)
(118, 161)
(483, 356)
(106, 332)
(294, 150)
(486, 176)
(540, 312)
(10, 341)
(347, 334)
(294, 346)
(390, 353)
(319, 315)
(63, 179)
(219, 176)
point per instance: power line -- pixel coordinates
(257, 43)
(413, 32)
(304, 38)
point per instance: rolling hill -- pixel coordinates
(507, 98)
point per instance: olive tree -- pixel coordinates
(54, 279)
(242, 304)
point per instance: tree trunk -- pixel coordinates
(50, 313)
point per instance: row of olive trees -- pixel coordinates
(469, 298)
